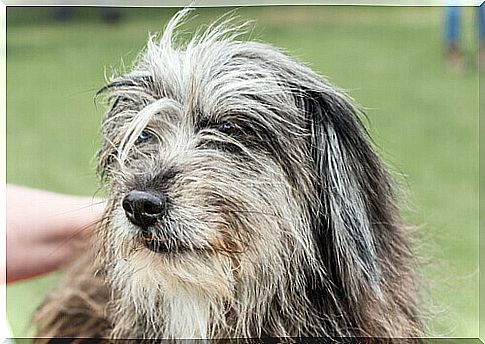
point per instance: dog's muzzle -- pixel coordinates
(144, 208)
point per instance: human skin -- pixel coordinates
(45, 230)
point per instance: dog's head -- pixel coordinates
(237, 178)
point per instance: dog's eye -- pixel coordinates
(229, 128)
(144, 136)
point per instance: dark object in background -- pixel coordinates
(64, 13)
(110, 15)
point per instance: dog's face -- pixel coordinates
(233, 181)
(210, 171)
(211, 148)
(209, 155)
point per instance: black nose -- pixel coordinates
(144, 208)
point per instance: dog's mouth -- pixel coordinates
(165, 246)
(156, 245)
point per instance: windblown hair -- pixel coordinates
(281, 219)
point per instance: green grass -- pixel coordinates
(423, 119)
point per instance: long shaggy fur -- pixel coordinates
(285, 225)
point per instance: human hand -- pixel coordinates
(46, 230)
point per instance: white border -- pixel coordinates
(242, 3)
(5, 332)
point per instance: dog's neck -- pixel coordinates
(187, 315)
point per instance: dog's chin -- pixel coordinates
(166, 269)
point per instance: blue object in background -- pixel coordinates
(452, 23)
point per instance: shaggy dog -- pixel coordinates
(244, 200)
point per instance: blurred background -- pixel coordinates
(421, 98)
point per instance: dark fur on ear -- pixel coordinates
(359, 232)
(347, 169)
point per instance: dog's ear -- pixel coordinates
(352, 187)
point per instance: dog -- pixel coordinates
(244, 201)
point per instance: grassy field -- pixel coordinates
(423, 119)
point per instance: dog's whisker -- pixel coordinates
(76, 234)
